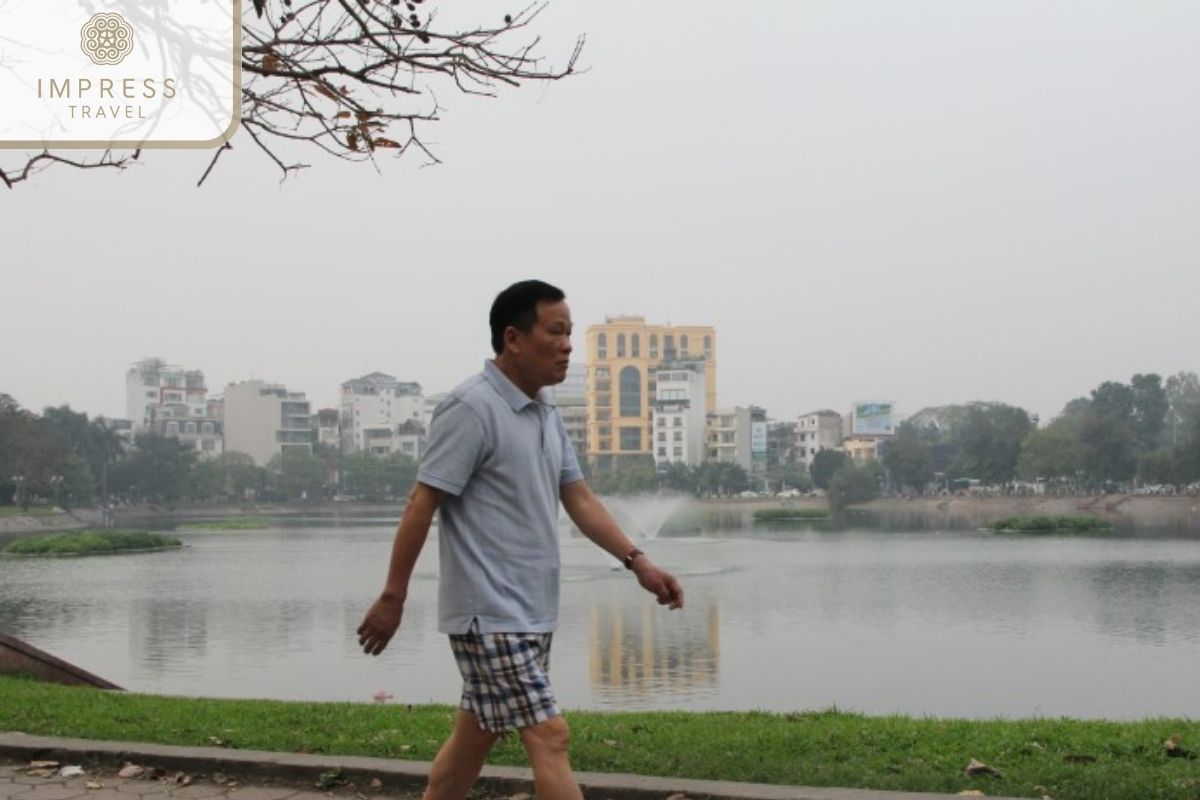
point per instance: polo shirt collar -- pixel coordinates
(508, 391)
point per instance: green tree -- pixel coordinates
(34, 461)
(297, 473)
(824, 464)
(853, 483)
(158, 468)
(1150, 406)
(720, 478)
(401, 474)
(908, 456)
(1106, 445)
(1183, 403)
(790, 476)
(1050, 452)
(989, 441)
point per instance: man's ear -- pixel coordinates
(512, 338)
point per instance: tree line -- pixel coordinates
(64, 458)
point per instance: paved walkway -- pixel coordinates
(211, 773)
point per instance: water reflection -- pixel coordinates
(638, 650)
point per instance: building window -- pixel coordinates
(636, 350)
(620, 345)
(606, 444)
(668, 346)
(190, 428)
(172, 428)
(662, 452)
(631, 392)
(206, 428)
(631, 438)
(602, 372)
(662, 436)
(708, 347)
(678, 451)
(207, 444)
(654, 345)
(678, 436)
(660, 421)
(601, 347)
(678, 422)
(683, 345)
(606, 430)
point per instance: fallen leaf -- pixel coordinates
(93, 785)
(615, 743)
(131, 771)
(70, 772)
(376, 783)
(980, 768)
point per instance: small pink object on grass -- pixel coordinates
(381, 696)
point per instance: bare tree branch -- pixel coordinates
(342, 75)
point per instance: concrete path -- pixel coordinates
(211, 773)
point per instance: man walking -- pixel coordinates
(497, 464)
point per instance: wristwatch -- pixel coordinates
(630, 556)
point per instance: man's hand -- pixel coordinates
(658, 582)
(380, 624)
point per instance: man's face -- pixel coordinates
(545, 352)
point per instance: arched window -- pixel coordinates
(683, 348)
(637, 346)
(631, 392)
(620, 345)
(654, 345)
(602, 346)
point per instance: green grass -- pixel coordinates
(88, 542)
(787, 514)
(1066, 759)
(1044, 524)
(230, 524)
(32, 511)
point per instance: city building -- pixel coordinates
(679, 415)
(375, 409)
(862, 449)
(326, 429)
(781, 443)
(264, 420)
(570, 398)
(624, 356)
(817, 431)
(169, 400)
(739, 434)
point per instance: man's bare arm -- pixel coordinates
(383, 618)
(593, 520)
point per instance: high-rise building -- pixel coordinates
(624, 357)
(264, 420)
(382, 415)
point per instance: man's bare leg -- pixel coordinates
(460, 760)
(546, 744)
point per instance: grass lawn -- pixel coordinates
(1088, 760)
(229, 524)
(32, 511)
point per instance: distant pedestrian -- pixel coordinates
(497, 465)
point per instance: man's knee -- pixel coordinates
(550, 738)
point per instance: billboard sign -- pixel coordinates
(758, 437)
(873, 419)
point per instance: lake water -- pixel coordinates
(866, 618)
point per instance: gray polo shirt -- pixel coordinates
(501, 457)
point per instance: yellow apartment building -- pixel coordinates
(624, 355)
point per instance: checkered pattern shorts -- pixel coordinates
(504, 678)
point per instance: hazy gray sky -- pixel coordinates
(931, 202)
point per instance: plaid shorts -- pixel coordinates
(504, 678)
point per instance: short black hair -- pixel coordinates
(517, 306)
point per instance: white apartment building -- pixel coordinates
(817, 431)
(570, 398)
(382, 415)
(172, 401)
(729, 435)
(325, 428)
(263, 420)
(678, 422)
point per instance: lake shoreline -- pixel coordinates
(1121, 510)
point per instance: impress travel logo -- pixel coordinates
(119, 73)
